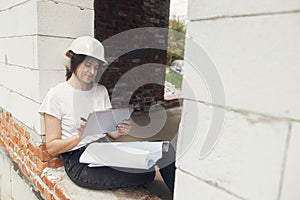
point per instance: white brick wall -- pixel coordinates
(197, 189)
(19, 51)
(33, 38)
(20, 20)
(79, 3)
(51, 52)
(21, 80)
(9, 4)
(257, 59)
(255, 48)
(247, 160)
(292, 168)
(64, 20)
(207, 8)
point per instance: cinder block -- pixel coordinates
(52, 51)
(257, 59)
(291, 179)
(20, 20)
(49, 79)
(19, 51)
(22, 108)
(82, 4)
(206, 9)
(64, 20)
(189, 187)
(21, 80)
(9, 4)
(246, 160)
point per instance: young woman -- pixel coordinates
(65, 105)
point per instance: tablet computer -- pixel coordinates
(101, 122)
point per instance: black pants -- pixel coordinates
(102, 178)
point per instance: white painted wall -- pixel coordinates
(33, 38)
(255, 48)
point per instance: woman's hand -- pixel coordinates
(122, 129)
(79, 130)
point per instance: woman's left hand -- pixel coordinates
(122, 129)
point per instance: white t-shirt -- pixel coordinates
(69, 104)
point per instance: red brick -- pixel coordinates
(31, 156)
(11, 144)
(39, 186)
(37, 171)
(43, 147)
(24, 143)
(3, 122)
(47, 194)
(41, 165)
(24, 148)
(1, 142)
(5, 131)
(22, 131)
(49, 183)
(21, 154)
(45, 156)
(10, 152)
(24, 170)
(15, 139)
(16, 127)
(4, 146)
(14, 132)
(7, 116)
(27, 135)
(29, 163)
(10, 125)
(5, 139)
(19, 143)
(55, 163)
(31, 148)
(33, 167)
(59, 191)
(23, 139)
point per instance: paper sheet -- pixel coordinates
(140, 155)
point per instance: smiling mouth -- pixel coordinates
(90, 77)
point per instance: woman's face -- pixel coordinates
(87, 70)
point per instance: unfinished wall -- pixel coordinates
(255, 48)
(34, 35)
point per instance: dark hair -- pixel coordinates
(76, 59)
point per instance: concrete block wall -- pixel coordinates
(255, 48)
(34, 36)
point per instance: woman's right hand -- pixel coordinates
(79, 130)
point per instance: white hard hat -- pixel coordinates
(89, 46)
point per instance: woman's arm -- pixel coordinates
(55, 145)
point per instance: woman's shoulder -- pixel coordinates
(59, 89)
(100, 87)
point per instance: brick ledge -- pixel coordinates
(64, 188)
